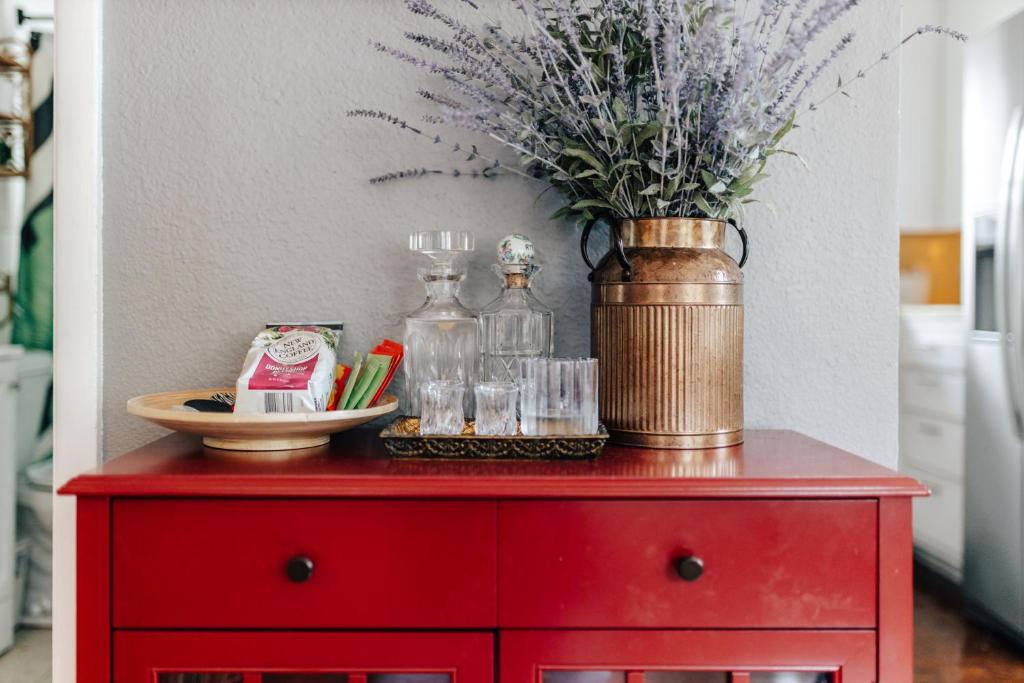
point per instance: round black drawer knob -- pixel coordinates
(690, 568)
(299, 569)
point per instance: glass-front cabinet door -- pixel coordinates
(686, 676)
(688, 657)
(302, 657)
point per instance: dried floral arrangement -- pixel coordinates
(630, 108)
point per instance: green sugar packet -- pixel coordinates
(357, 364)
(374, 371)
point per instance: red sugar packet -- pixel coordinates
(340, 378)
(388, 347)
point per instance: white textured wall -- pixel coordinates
(235, 192)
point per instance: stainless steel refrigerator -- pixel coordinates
(993, 296)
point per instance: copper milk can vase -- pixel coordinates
(667, 328)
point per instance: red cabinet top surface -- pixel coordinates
(770, 464)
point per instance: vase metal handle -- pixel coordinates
(617, 249)
(584, 240)
(620, 252)
(744, 239)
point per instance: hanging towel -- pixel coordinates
(33, 305)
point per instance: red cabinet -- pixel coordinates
(780, 561)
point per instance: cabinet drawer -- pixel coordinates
(375, 564)
(941, 354)
(933, 445)
(934, 393)
(939, 521)
(766, 564)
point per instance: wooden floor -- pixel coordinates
(947, 649)
(29, 660)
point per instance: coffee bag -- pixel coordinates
(288, 369)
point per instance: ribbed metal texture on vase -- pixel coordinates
(670, 337)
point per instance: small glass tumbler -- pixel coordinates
(559, 396)
(496, 408)
(586, 378)
(441, 407)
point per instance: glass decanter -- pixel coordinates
(442, 337)
(515, 325)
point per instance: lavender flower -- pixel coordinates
(940, 30)
(400, 175)
(628, 107)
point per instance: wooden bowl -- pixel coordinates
(252, 431)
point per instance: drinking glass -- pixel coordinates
(559, 396)
(496, 408)
(586, 377)
(441, 407)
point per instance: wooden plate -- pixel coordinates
(252, 431)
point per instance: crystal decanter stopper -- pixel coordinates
(515, 325)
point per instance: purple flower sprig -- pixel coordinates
(471, 151)
(887, 55)
(628, 107)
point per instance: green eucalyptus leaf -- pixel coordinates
(703, 205)
(793, 154)
(645, 132)
(584, 156)
(673, 186)
(590, 203)
(619, 109)
(784, 131)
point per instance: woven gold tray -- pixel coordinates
(402, 439)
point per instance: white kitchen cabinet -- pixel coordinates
(939, 524)
(932, 430)
(933, 445)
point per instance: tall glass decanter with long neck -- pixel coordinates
(515, 325)
(442, 337)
